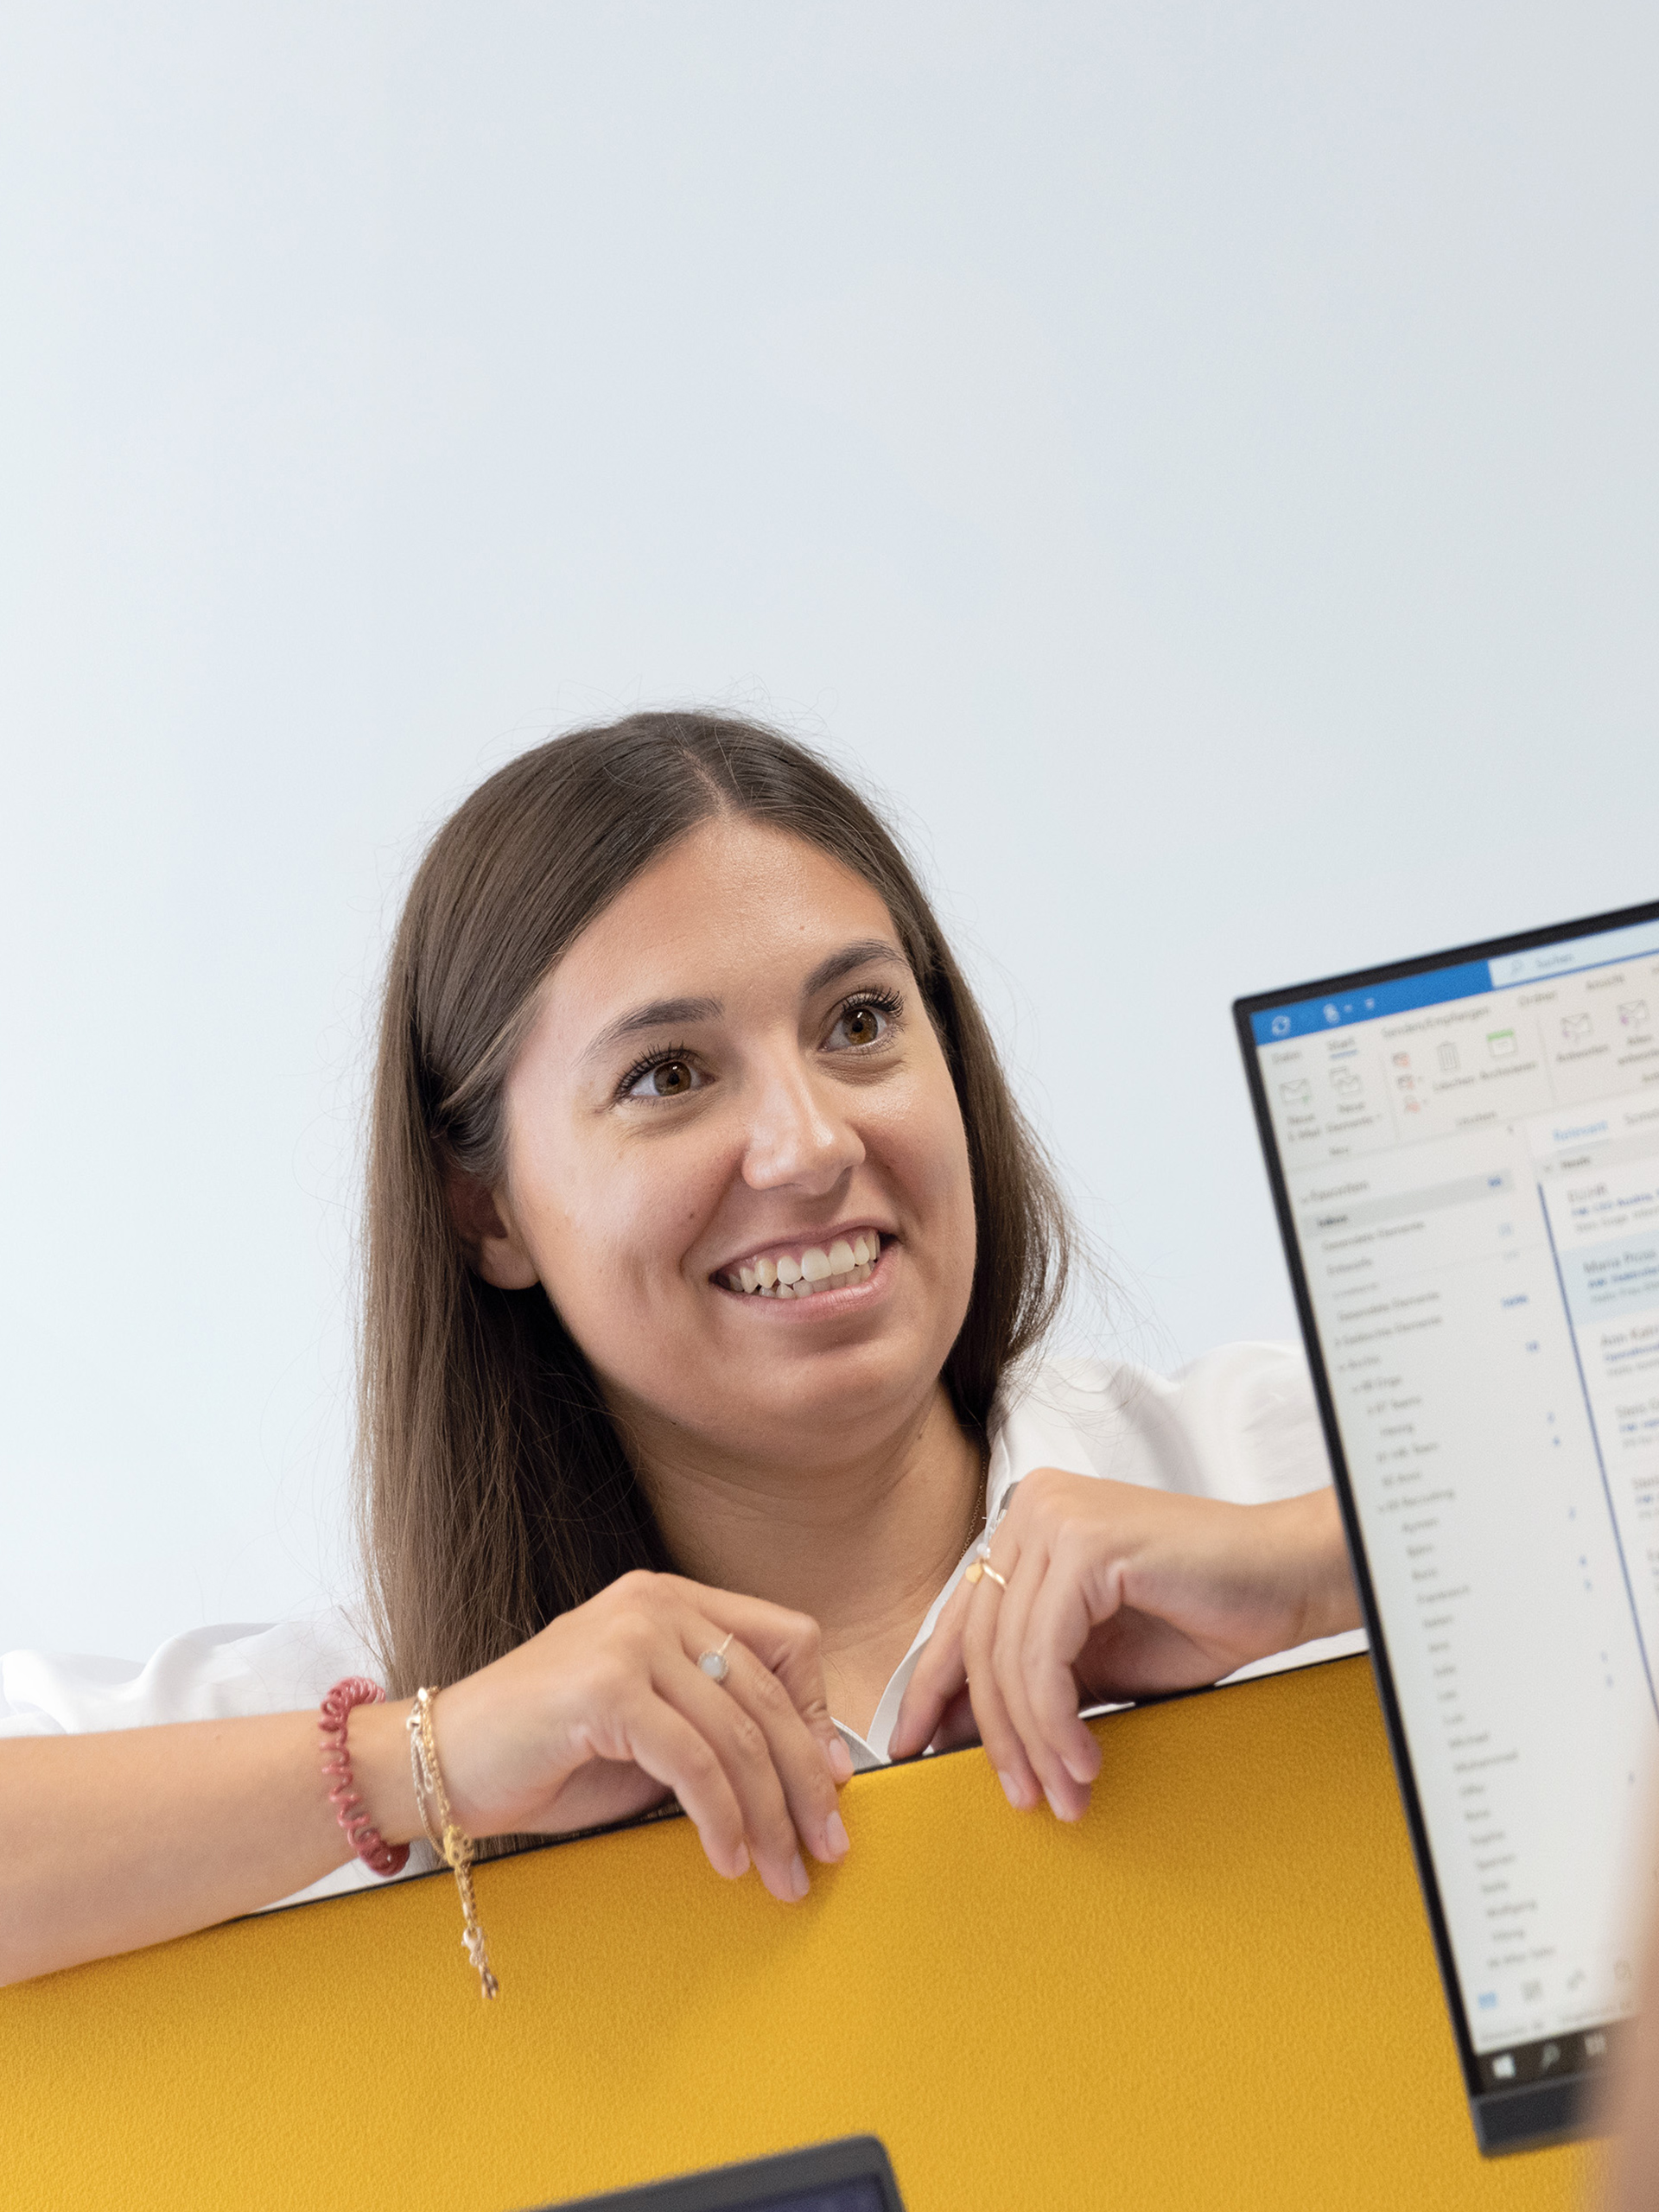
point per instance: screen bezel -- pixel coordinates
(1535, 2111)
(757, 2183)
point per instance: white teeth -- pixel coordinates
(850, 1260)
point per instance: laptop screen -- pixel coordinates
(1467, 1162)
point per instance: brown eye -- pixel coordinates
(866, 1023)
(670, 1078)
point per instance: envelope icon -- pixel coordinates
(1634, 1014)
(1298, 1093)
(1575, 1028)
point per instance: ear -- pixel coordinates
(492, 1247)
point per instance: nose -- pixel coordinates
(798, 1137)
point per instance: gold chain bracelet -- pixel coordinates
(454, 1844)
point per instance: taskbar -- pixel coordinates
(1581, 2050)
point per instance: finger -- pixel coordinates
(739, 1744)
(1057, 1626)
(797, 1757)
(789, 1646)
(1021, 1783)
(958, 1728)
(664, 1744)
(1067, 1798)
(939, 1674)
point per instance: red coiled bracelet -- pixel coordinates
(380, 1857)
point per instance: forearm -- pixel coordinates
(1320, 1542)
(113, 1840)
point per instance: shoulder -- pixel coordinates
(228, 1671)
(1240, 1423)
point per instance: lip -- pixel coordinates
(823, 1238)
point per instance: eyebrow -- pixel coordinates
(850, 956)
(668, 1014)
(655, 1014)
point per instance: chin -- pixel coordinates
(808, 1406)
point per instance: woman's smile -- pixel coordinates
(793, 1270)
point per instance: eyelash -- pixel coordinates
(659, 1058)
(888, 1002)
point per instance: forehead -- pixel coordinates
(734, 911)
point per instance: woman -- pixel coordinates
(703, 1451)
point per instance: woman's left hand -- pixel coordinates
(1113, 1591)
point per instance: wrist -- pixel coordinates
(378, 1744)
(1331, 1601)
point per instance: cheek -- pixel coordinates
(607, 1228)
(927, 1150)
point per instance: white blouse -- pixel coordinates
(1240, 1424)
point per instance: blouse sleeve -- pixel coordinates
(211, 1673)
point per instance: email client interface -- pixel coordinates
(1471, 1161)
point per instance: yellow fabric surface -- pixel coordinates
(1218, 1990)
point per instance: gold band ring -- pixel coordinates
(982, 1564)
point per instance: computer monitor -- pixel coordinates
(1463, 1152)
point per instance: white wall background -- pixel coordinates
(1200, 460)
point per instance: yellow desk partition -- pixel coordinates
(1218, 1990)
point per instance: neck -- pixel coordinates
(863, 1544)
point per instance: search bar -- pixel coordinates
(1632, 943)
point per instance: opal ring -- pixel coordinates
(713, 1663)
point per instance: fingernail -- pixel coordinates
(835, 1837)
(840, 1759)
(1054, 1804)
(797, 1876)
(1082, 1779)
(740, 1863)
(1011, 1791)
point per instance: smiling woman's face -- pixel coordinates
(731, 1080)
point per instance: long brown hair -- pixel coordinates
(493, 1491)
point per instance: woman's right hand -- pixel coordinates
(606, 1713)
